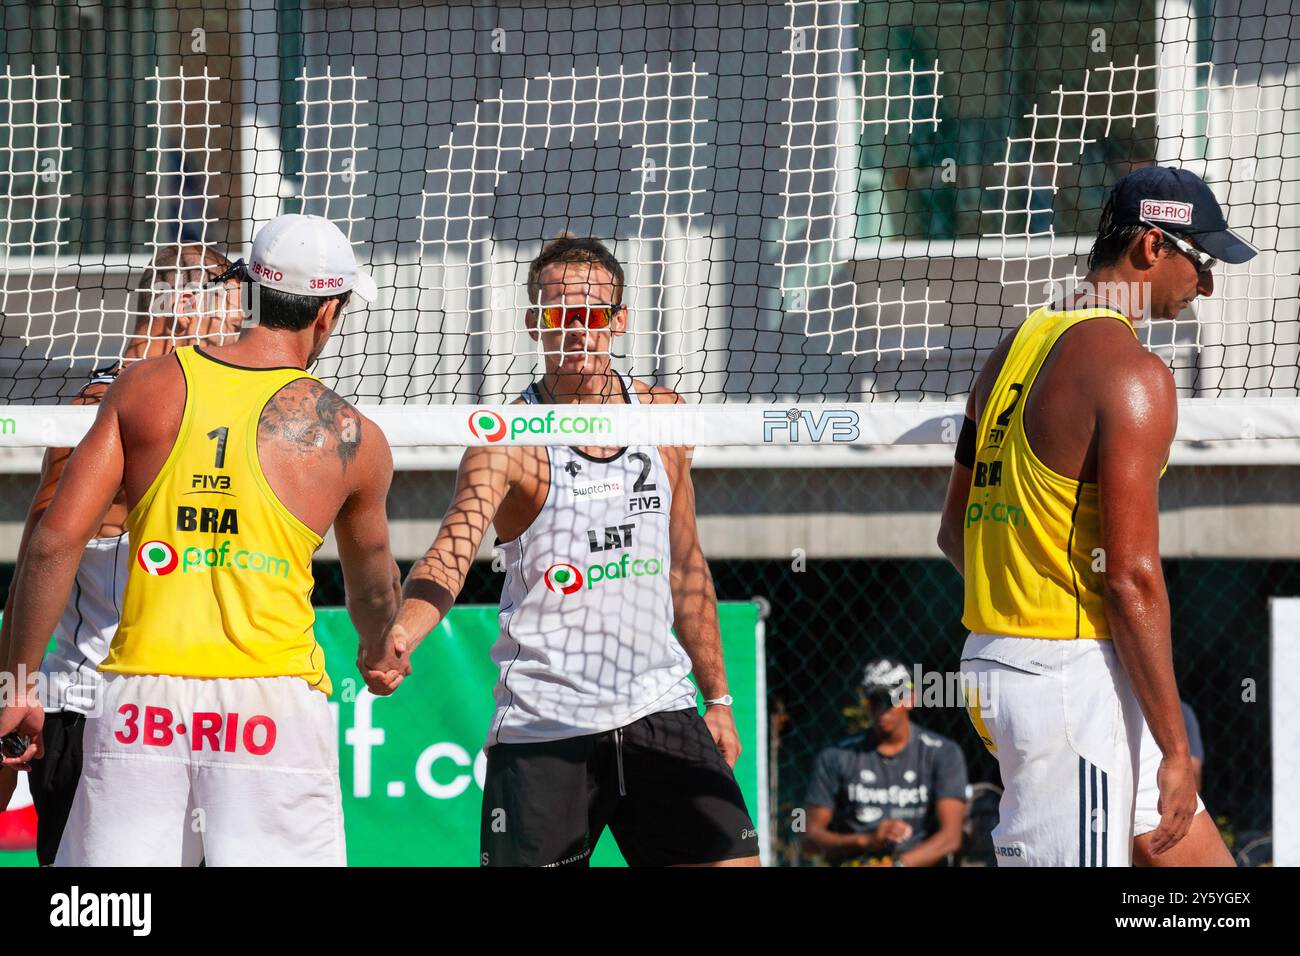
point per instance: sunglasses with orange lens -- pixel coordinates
(590, 316)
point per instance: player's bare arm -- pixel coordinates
(483, 481)
(1136, 420)
(52, 465)
(695, 603)
(952, 523)
(303, 419)
(954, 502)
(52, 553)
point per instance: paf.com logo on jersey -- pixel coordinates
(566, 579)
(563, 579)
(489, 426)
(157, 558)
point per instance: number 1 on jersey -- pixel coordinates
(220, 435)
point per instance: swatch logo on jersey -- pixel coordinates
(486, 425)
(157, 558)
(563, 579)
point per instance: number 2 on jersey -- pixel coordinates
(640, 484)
(1005, 418)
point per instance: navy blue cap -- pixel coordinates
(1178, 201)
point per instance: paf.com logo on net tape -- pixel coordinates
(487, 425)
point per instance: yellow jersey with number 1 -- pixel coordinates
(1032, 537)
(220, 582)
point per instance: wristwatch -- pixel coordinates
(724, 701)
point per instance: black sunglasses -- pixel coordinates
(880, 698)
(238, 270)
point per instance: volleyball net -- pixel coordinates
(832, 208)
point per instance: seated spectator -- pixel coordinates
(893, 795)
(1194, 745)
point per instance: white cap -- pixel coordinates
(307, 255)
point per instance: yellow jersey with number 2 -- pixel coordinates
(1034, 562)
(220, 582)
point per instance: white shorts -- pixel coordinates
(237, 772)
(1078, 762)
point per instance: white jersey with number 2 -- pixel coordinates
(586, 642)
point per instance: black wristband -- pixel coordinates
(965, 455)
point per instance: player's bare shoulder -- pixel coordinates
(1107, 352)
(138, 377)
(1141, 382)
(656, 394)
(148, 396)
(988, 373)
(674, 456)
(307, 420)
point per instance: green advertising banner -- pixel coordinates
(412, 765)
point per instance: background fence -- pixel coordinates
(816, 200)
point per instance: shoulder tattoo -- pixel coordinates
(306, 415)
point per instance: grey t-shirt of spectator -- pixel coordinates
(1194, 745)
(862, 787)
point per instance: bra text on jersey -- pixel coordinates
(207, 520)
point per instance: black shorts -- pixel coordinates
(54, 780)
(660, 785)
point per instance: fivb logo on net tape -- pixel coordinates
(563, 579)
(157, 558)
